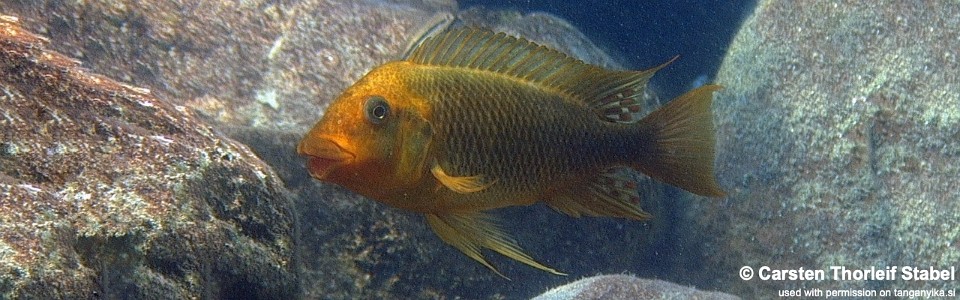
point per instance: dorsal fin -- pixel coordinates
(608, 91)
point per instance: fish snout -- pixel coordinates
(323, 155)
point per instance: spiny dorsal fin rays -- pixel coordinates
(438, 23)
(484, 50)
(469, 233)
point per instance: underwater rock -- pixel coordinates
(109, 192)
(262, 72)
(262, 64)
(837, 143)
(544, 28)
(616, 287)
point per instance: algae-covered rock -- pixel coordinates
(109, 192)
(838, 143)
(623, 287)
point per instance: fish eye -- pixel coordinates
(376, 109)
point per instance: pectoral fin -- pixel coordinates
(470, 233)
(462, 185)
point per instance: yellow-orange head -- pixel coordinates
(366, 137)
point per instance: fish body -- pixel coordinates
(473, 120)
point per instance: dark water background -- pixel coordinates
(646, 33)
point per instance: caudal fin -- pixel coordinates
(677, 143)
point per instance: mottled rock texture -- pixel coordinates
(262, 72)
(624, 287)
(269, 64)
(109, 192)
(838, 143)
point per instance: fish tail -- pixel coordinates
(677, 143)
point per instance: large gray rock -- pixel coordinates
(109, 192)
(625, 287)
(838, 143)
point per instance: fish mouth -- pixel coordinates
(323, 155)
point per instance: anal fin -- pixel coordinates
(462, 184)
(613, 193)
(470, 233)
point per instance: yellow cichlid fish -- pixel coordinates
(473, 120)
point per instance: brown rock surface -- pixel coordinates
(107, 192)
(260, 64)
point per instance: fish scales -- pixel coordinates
(473, 120)
(528, 138)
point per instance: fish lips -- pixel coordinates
(323, 155)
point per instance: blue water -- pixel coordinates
(647, 33)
